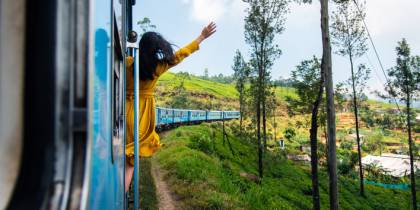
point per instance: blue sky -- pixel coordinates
(180, 21)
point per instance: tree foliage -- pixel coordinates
(404, 84)
(349, 36)
(404, 78)
(145, 25)
(361, 78)
(264, 20)
(347, 30)
(306, 79)
(241, 74)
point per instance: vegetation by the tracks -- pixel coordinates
(206, 173)
(147, 188)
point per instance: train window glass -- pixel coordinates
(118, 8)
(117, 89)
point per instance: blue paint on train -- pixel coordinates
(106, 189)
(167, 116)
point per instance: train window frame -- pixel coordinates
(117, 83)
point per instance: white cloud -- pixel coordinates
(391, 16)
(214, 10)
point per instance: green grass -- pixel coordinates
(194, 84)
(204, 174)
(283, 92)
(147, 189)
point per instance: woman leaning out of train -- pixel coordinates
(156, 56)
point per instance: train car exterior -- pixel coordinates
(69, 64)
(214, 115)
(197, 115)
(167, 117)
(106, 182)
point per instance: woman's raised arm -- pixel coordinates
(184, 52)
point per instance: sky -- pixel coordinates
(181, 21)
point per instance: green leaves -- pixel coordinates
(306, 81)
(404, 78)
(146, 25)
(347, 30)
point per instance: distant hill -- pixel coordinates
(203, 94)
(199, 89)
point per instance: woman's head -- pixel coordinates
(154, 49)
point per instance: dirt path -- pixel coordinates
(165, 199)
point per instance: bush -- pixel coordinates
(289, 133)
(202, 143)
(346, 145)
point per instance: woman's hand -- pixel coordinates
(207, 32)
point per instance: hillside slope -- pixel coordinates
(181, 90)
(202, 93)
(205, 173)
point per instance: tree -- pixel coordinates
(340, 96)
(308, 80)
(374, 142)
(349, 36)
(326, 67)
(305, 80)
(180, 99)
(264, 19)
(289, 133)
(404, 84)
(206, 74)
(145, 25)
(241, 75)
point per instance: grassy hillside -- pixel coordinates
(198, 93)
(204, 173)
(204, 93)
(194, 84)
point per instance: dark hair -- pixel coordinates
(153, 49)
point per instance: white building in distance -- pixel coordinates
(394, 165)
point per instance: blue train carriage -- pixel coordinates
(197, 116)
(164, 118)
(167, 117)
(214, 115)
(231, 115)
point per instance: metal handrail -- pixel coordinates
(131, 45)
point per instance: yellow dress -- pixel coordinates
(148, 138)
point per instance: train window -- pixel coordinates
(118, 8)
(117, 89)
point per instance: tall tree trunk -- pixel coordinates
(356, 116)
(260, 163)
(410, 148)
(314, 145)
(274, 124)
(326, 66)
(264, 124)
(241, 112)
